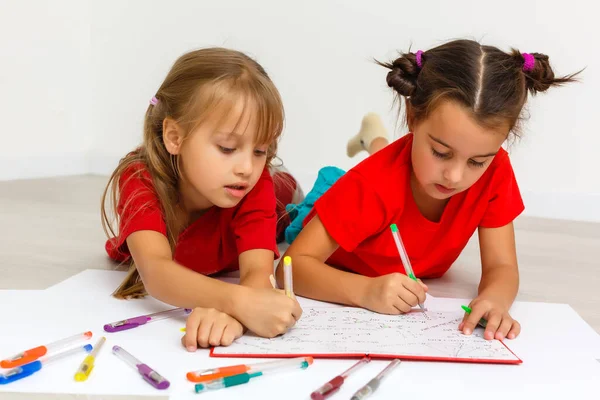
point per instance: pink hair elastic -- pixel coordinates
(154, 100)
(419, 56)
(528, 62)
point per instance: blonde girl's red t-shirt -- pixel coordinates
(359, 208)
(210, 244)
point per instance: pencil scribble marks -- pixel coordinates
(347, 330)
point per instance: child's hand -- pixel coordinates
(393, 294)
(207, 327)
(268, 312)
(500, 324)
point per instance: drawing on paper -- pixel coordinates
(346, 330)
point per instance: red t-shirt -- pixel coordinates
(359, 208)
(208, 245)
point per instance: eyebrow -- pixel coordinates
(228, 135)
(445, 145)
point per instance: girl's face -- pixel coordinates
(451, 151)
(220, 161)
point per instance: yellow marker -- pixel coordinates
(182, 329)
(87, 365)
(288, 281)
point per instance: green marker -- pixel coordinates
(404, 257)
(482, 322)
(226, 382)
(253, 372)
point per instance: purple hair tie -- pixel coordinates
(419, 55)
(528, 62)
(154, 100)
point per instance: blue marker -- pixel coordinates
(29, 369)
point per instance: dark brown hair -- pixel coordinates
(487, 81)
(199, 83)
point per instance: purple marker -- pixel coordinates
(131, 323)
(149, 375)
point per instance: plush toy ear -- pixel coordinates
(172, 136)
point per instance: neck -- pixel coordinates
(193, 203)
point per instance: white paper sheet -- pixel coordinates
(556, 345)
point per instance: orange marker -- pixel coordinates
(204, 375)
(31, 355)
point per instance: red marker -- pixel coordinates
(334, 385)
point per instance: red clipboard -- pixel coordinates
(515, 361)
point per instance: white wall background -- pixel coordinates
(76, 76)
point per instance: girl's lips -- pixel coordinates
(444, 189)
(235, 191)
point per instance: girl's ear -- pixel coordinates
(172, 136)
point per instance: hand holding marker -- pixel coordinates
(404, 257)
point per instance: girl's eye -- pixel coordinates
(260, 153)
(476, 164)
(226, 150)
(438, 154)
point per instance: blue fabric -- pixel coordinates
(297, 212)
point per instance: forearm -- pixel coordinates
(317, 280)
(257, 277)
(500, 282)
(174, 284)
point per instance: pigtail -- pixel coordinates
(404, 72)
(539, 75)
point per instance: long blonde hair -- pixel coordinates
(198, 83)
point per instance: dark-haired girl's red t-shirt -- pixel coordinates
(359, 208)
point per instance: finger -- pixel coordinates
(504, 327)
(514, 330)
(407, 295)
(401, 305)
(288, 324)
(191, 329)
(462, 323)
(473, 319)
(392, 309)
(216, 332)
(296, 311)
(204, 331)
(390, 305)
(422, 284)
(229, 335)
(415, 289)
(494, 321)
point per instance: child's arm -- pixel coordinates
(499, 284)
(389, 294)
(265, 312)
(255, 268)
